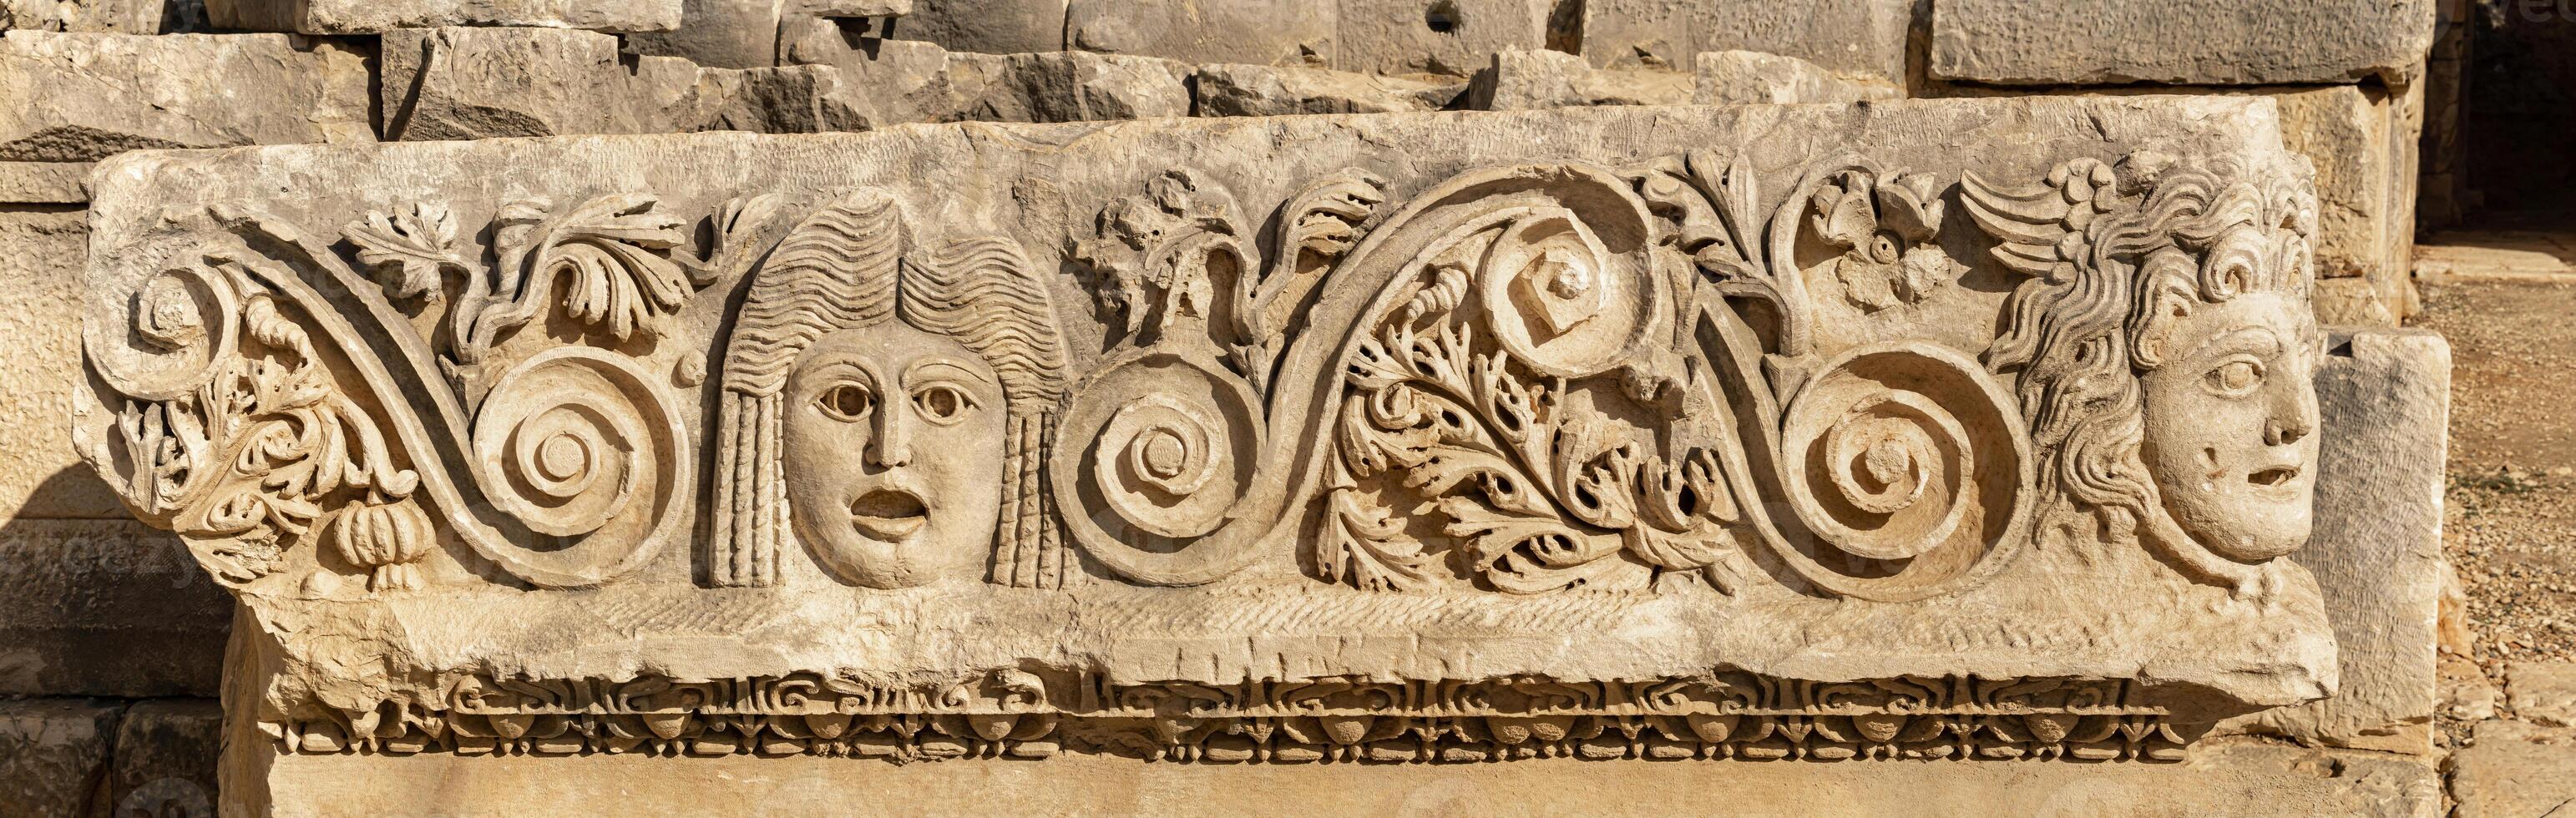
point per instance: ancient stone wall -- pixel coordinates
(1719, 291)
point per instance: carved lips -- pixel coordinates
(889, 514)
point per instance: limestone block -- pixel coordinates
(1260, 32)
(1522, 80)
(482, 83)
(165, 760)
(2514, 769)
(105, 608)
(2352, 302)
(44, 182)
(717, 34)
(1263, 90)
(2542, 692)
(1066, 86)
(888, 82)
(786, 99)
(82, 97)
(2377, 547)
(383, 16)
(42, 254)
(1452, 37)
(2180, 42)
(1622, 433)
(1750, 78)
(1861, 40)
(52, 753)
(986, 26)
(101, 16)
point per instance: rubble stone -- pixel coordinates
(1262, 90)
(2178, 42)
(83, 97)
(383, 16)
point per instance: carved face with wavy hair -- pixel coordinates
(889, 408)
(2166, 352)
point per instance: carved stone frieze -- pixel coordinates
(1992, 417)
(1017, 714)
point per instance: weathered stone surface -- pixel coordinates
(1750, 78)
(2514, 769)
(1524, 80)
(105, 608)
(2377, 547)
(1260, 32)
(481, 83)
(717, 34)
(2467, 695)
(101, 16)
(986, 26)
(2180, 42)
(44, 182)
(82, 97)
(1262, 90)
(165, 759)
(894, 82)
(2542, 692)
(383, 16)
(43, 251)
(53, 753)
(1862, 40)
(787, 99)
(1065, 86)
(2253, 781)
(2352, 302)
(2362, 147)
(1453, 37)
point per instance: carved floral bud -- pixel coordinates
(386, 537)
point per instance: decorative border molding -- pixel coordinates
(1011, 714)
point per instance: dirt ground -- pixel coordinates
(2510, 530)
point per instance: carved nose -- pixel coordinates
(2293, 421)
(892, 447)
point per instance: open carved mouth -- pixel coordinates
(889, 514)
(2274, 477)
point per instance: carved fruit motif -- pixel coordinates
(385, 537)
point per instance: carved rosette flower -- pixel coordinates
(1886, 225)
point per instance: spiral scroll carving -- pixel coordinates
(578, 443)
(1905, 463)
(1159, 446)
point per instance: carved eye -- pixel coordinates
(942, 404)
(2235, 377)
(848, 403)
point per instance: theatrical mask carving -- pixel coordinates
(2165, 353)
(894, 398)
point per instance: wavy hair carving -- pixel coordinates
(850, 265)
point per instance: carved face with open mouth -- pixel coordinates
(2231, 424)
(893, 455)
